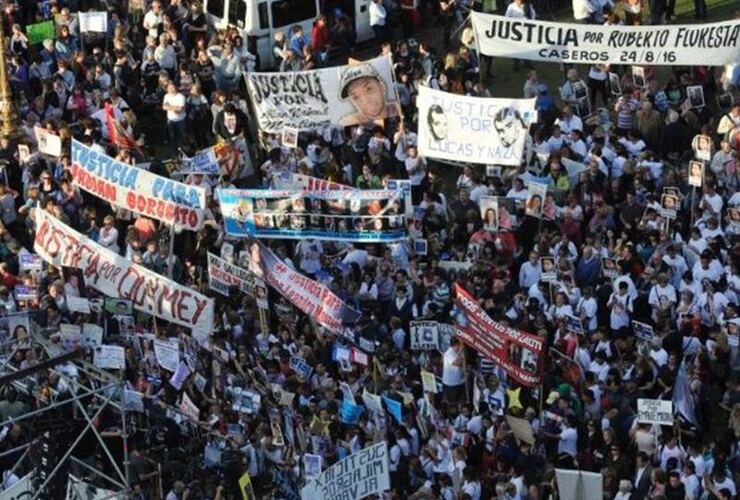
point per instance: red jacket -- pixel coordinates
(320, 37)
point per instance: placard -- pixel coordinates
(48, 143)
(39, 32)
(549, 271)
(654, 411)
(424, 335)
(312, 466)
(359, 475)
(223, 275)
(290, 137)
(94, 22)
(23, 292)
(92, 335)
(428, 382)
(696, 173)
(110, 357)
(536, 194)
(301, 367)
(675, 45)
(167, 354)
(71, 336)
(30, 262)
(473, 129)
(309, 100)
(78, 304)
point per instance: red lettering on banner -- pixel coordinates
(169, 296)
(92, 184)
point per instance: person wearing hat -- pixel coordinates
(365, 89)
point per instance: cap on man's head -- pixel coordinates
(356, 72)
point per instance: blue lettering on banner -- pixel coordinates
(127, 176)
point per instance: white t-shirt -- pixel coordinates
(177, 100)
(452, 375)
(568, 442)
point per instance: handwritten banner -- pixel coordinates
(111, 274)
(518, 353)
(677, 45)
(311, 297)
(136, 189)
(359, 475)
(473, 129)
(307, 100)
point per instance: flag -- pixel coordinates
(394, 408)
(683, 400)
(117, 135)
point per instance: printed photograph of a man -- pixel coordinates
(365, 89)
(437, 122)
(510, 127)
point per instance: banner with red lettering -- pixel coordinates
(518, 353)
(111, 274)
(310, 296)
(136, 189)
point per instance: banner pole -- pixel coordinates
(465, 374)
(170, 262)
(693, 194)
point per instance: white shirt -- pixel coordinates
(452, 375)
(582, 9)
(568, 441)
(177, 100)
(569, 125)
(377, 13)
(152, 21)
(529, 274)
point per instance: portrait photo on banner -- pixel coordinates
(473, 129)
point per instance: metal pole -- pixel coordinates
(96, 471)
(170, 262)
(124, 436)
(70, 450)
(102, 443)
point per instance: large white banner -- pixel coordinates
(343, 95)
(137, 189)
(360, 475)
(111, 274)
(680, 45)
(473, 129)
(579, 485)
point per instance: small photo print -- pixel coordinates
(290, 137)
(638, 76)
(614, 85)
(696, 96)
(420, 246)
(724, 101)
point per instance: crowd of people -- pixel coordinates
(620, 255)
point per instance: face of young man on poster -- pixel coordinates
(367, 95)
